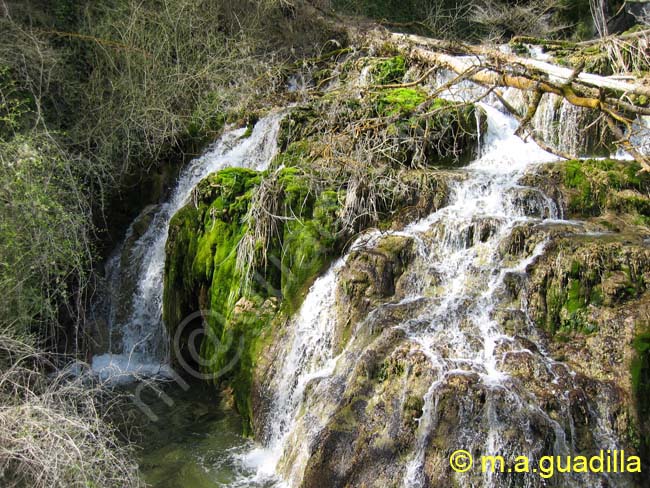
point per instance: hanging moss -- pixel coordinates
(200, 267)
(201, 270)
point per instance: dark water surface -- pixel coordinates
(194, 442)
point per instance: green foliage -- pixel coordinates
(14, 106)
(44, 232)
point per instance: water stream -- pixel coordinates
(456, 329)
(139, 345)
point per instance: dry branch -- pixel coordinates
(492, 68)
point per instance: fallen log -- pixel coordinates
(489, 56)
(493, 68)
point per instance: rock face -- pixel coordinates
(583, 301)
(560, 308)
(250, 237)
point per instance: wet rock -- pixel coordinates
(532, 201)
(615, 287)
(374, 423)
(371, 274)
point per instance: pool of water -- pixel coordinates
(189, 438)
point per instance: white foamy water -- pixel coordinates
(309, 357)
(142, 348)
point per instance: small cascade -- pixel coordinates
(455, 329)
(138, 342)
(563, 126)
(310, 356)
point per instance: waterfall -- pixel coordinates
(309, 357)
(455, 329)
(139, 345)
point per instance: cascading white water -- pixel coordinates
(142, 347)
(309, 357)
(456, 331)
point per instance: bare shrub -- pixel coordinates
(53, 428)
(501, 20)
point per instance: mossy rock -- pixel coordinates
(614, 194)
(596, 183)
(369, 276)
(400, 101)
(202, 271)
(586, 273)
(449, 131)
(640, 374)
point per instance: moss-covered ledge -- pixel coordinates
(614, 194)
(589, 291)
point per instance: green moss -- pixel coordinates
(201, 271)
(298, 125)
(240, 350)
(598, 184)
(390, 71)
(596, 296)
(575, 300)
(400, 101)
(389, 370)
(413, 407)
(296, 154)
(311, 241)
(575, 269)
(566, 307)
(201, 274)
(519, 48)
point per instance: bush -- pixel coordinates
(52, 430)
